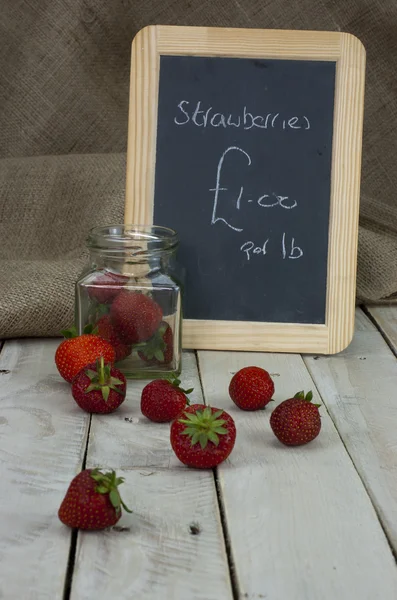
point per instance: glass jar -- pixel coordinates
(131, 294)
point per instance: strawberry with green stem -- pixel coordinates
(99, 388)
(203, 436)
(296, 421)
(163, 400)
(92, 500)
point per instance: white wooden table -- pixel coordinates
(317, 522)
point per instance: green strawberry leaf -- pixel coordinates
(221, 430)
(213, 437)
(114, 498)
(189, 431)
(105, 392)
(203, 439)
(217, 414)
(189, 417)
(158, 354)
(70, 333)
(195, 437)
(91, 374)
(90, 388)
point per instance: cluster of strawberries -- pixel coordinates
(129, 320)
(201, 436)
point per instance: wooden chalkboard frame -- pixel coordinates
(349, 55)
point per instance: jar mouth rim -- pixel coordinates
(138, 238)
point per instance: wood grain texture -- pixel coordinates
(349, 54)
(345, 192)
(142, 127)
(248, 43)
(42, 440)
(386, 319)
(300, 521)
(157, 557)
(359, 388)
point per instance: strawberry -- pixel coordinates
(203, 436)
(163, 400)
(159, 350)
(77, 351)
(106, 287)
(135, 316)
(98, 388)
(92, 500)
(296, 421)
(251, 388)
(105, 330)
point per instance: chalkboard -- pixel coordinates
(243, 174)
(248, 144)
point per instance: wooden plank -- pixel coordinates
(386, 320)
(155, 555)
(349, 54)
(300, 521)
(42, 440)
(359, 388)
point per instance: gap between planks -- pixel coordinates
(156, 553)
(73, 539)
(258, 465)
(360, 399)
(226, 534)
(384, 318)
(42, 439)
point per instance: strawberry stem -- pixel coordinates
(204, 426)
(176, 383)
(102, 380)
(108, 484)
(307, 398)
(72, 331)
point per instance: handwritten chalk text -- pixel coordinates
(287, 247)
(202, 116)
(264, 201)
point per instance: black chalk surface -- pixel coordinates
(243, 173)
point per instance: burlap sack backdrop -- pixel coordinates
(64, 76)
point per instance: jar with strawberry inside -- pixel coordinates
(130, 295)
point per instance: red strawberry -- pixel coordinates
(98, 388)
(296, 421)
(251, 388)
(163, 400)
(159, 350)
(135, 316)
(106, 331)
(203, 436)
(106, 287)
(92, 501)
(77, 351)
